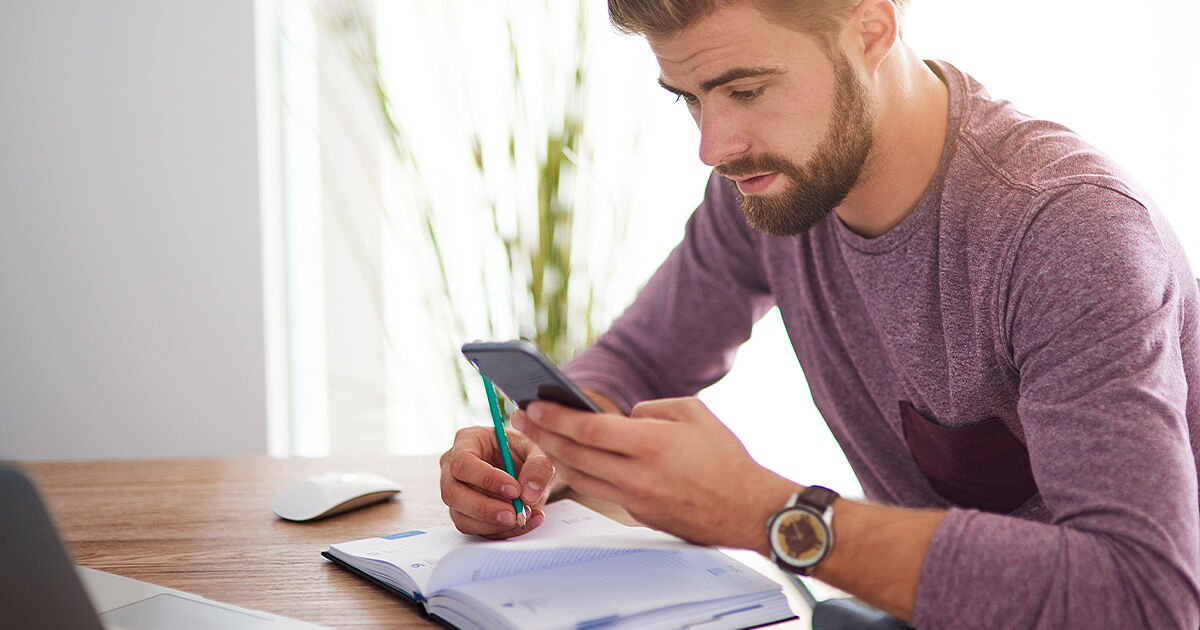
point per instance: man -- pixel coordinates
(997, 325)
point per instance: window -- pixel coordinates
(375, 312)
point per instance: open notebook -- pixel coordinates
(578, 570)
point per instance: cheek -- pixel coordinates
(795, 126)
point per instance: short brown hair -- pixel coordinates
(822, 19)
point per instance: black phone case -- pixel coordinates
(524, 374)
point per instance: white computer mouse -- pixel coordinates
(332, 493)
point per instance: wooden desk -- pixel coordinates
(206, 526)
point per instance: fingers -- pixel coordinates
(598, 431)
(673, 466)
(574, 457)
(598, 455)
(592, 486)
(536, 472)
(474, 460)
(479, 494)
(468, 525)
(535, 476)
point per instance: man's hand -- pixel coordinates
(673, 466)
(478, 491)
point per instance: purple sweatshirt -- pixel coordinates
(1021, 351)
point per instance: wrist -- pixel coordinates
(766, 507)
(604, 402)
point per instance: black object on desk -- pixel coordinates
(847, 614)
(851, 614)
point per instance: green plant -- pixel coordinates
(542, 155)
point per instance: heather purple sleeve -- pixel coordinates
(1092, 318)
(680, 334)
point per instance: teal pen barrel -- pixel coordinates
(502, 441)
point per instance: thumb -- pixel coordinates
(536, 477)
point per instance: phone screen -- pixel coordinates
(524, 374)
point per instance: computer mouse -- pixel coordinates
(332, 493)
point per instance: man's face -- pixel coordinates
(787, 124)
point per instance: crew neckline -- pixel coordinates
(931, 200)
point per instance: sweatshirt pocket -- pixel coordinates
(981, 466)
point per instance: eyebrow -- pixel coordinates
(733, 74)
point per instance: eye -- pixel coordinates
(746, 95)
(688, 99)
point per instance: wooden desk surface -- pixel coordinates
(205, 526)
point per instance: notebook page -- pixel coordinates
(486, 562)
(405, 560)
(408, 559)
(698, 584)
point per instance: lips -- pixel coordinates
(756, 184)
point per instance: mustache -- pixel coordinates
(757, 165)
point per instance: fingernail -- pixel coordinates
(518, 421)
(510, 491)
(506, 517)
(533, 492)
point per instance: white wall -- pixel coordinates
(131, 320)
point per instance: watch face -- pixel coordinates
(799, 537)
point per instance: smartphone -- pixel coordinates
(524, 374)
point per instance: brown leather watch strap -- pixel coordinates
(818, 497)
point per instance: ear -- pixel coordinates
(875, 29)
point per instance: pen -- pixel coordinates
(502, 441)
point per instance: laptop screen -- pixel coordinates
(38, 584)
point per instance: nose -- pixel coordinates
(721, 137)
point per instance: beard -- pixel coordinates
(814, 189)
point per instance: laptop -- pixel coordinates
(41, 588)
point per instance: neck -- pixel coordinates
(913, 111)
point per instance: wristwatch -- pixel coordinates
(801, 534)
